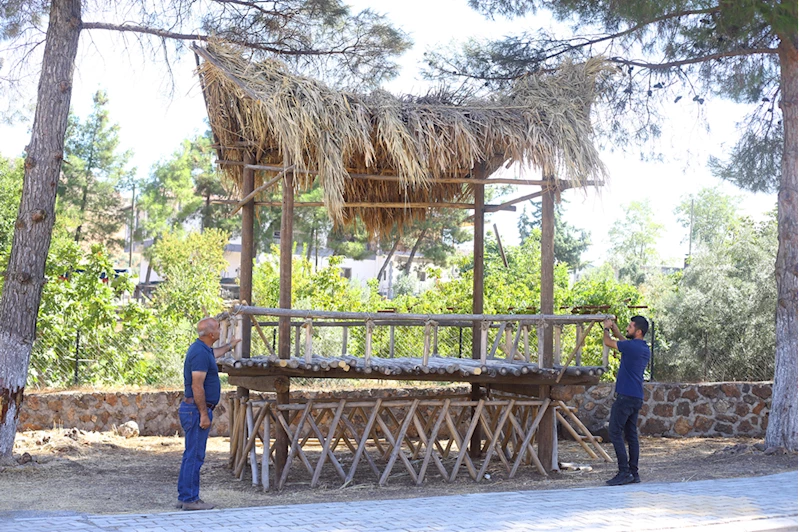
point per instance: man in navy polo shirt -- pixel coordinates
(629, 395)
(202, 391)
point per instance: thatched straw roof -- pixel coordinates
(542, 121)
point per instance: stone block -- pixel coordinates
(727, 418)
(589, 406)
(704, 409)
(125, 400)
(55, 405)
(690, 393)
(745, 388)
(723, 428)
(673, 394)
(683, 408)
(644, 410)
(600, 392)
(654, 427)
(601, 412)
(683, 426)
(721, 406)
(709, 391)
(703, 424)
(731, 389)
(764, 422)
(663, 410)
(658, 394)
(31, 402)
(741, 409)
(647, 393)
(758, 407)
(745, 427)
(762, 390)
(750, 399)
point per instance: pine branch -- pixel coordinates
(693, 60)
(165, 34)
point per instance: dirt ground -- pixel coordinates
(103, 473)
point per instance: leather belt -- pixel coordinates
(190, 401)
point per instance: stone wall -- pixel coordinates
(673, 409)
(708, 409)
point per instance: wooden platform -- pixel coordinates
(433, 369)
(405, 438)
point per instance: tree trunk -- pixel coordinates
(388, 258)
(22, 290)
(414, 250)
(782, 424)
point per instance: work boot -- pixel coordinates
(179, 505)
(619, 480)
(197, 505)
(636, 478)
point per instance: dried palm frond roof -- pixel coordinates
(287, 120)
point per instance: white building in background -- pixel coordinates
(360, 271)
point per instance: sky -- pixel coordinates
(155, 116)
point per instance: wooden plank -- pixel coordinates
(574, 435)
(246, 199)
(577, 348)
(430, 444)
(367, 430)
(497, 339)
(585, 431)
(529, 436)
(296, 450)
(397, 444)
(267, 448)
(494, 439)
(326, 451)
(528, 448)
(463, 448)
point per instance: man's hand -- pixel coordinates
(608, 323)
(235, 342)
(205, 421)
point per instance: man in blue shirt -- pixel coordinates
(629, 395)
(202, 391)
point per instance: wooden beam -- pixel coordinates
(475, 445)
(284, 327)
(505, 205)
(247, 255)
(373, 205)
(546, 431)
(561, 184)
(255, 192)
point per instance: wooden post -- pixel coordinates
(284, 323)
(245, 271)
(477, 292)
(247, 253)
(546, 431)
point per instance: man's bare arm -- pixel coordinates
(197, 381)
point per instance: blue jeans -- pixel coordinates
(624, 426)
(194, 454)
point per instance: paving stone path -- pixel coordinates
(744, 504)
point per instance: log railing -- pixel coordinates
(430, 339)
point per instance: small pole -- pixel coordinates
(77, 354)
(652, 351)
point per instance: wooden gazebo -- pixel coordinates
(387, 161)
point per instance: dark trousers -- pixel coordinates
(624, 426)
(194, 454)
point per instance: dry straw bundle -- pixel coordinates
(284, 119)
